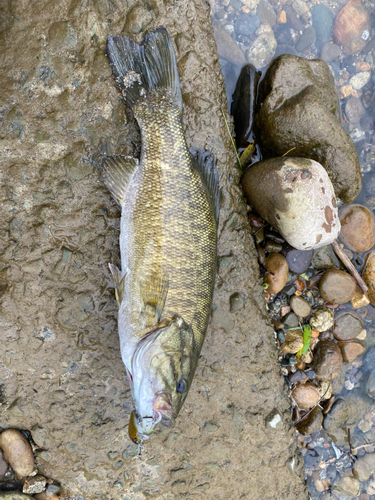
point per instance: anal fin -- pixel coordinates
(204, 162)
(119, 280)
(154, 291)
(117, 171)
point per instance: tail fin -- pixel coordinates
(139, 69)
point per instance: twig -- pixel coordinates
(349, 265)
(288, 151)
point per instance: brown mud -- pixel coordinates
(61, 375)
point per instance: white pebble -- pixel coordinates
(360, 79)
(349, 385)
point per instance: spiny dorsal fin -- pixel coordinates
(117, 171)
(119, 280)
(204, 162)
(154, 291)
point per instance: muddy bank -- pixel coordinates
(61, 375)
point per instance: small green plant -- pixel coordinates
(306, 341)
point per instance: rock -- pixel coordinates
(298, 376)
(246, 24)
(354, 109)
(351, 350)
(312, 423)
(281, 19)
(321, 319)
(337, 286)
(360, 80)
(262, 50)
(359, 298)
(300, 306)
(277, 272)
(52, 489)
(44, 496)
(227, 47)
(293, 342)
(305, 396)
(370, 384)
(364, 467)
(266, 14)
(348, 485)
(347, 326)
(17, 451)
(306, 39)
(296, 197)
(34, 484)
(327, 360)
(292, 89)
(330, 51)
(346, 412)
(352, 27)
(300, 7)
(243, 104)
(325, 258)
(362, 66)
(369, 276)
(292, 18)
(138, 18)
(322, 20)
(3, 465)
(299, 260)
(291, 320)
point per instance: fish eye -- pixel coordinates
(181, 386)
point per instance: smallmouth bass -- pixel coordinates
(170, 207)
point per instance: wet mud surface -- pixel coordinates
(61, 375)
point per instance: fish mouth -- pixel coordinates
(163, 409)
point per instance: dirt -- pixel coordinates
(61, 375)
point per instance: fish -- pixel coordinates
(170, 203)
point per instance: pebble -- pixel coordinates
(337, 286)
(370, 384)
(345, 91)
(17, 451)
(44, 496)
(292, 18)
(357, 227)
(299, 260)
(347, 326)
(321, 319)
(359, 299)
(3, 465)
(364, 467)
(35, 484)
(291, 320)
(352, 27)
(322, 20)
(298, 376)
(348, 485)
(293, 342)
(330, 52)
(324, 258)
(351, 350)
(227, 47)
(327, 360)
(369, 276)
(277, 272)
(300, 306)
(261, 50)
(281, 19)
(246, 24)
(306, 39)
(15, 495)
(305, 396)
(360, 79)
(266, 14)
(354, 109)
(313, 422)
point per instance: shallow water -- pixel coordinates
(239, 24)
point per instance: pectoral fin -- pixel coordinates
(154, 291)
(119, 282)
(117, 171)
(204, 162)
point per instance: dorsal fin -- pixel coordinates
(204, 162)
(117, 171)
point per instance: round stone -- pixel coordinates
(300, 306)
(351, 350)
(277, 272)
(354, 109)
(17, 451)
(337, 286)
(364, 467)
(327, 360)
(357, 228)
(305, 395)
(299, 260)
(348, 325)
(246, 24)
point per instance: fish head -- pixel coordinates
(162, 370)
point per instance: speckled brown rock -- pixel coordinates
(64, 377)
(17, 451)
(357, 228)
(337, 286)
(347, 326)
(327, 360)
(277, 272)
(369, 276)
(321, 319)
(34, 484)
(305, 395)
(352, 27)
(351, 350)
